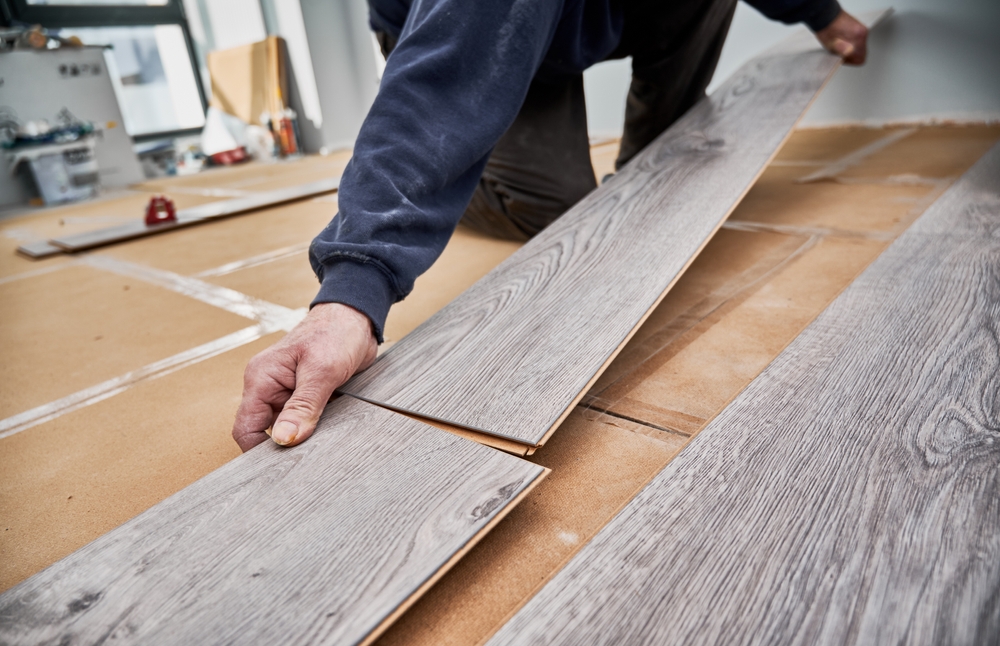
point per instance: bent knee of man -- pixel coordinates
(519, 211)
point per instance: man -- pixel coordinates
(480, 117)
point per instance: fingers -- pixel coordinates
(843, 48)
(253, 418)
(847, 38)
(852, 51)
(290, 384)
(267, 385)
(314, 387)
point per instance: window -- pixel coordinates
(151, 58)
(86, 3)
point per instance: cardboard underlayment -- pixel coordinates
(96, 326)
(732, 261)
(818, 146)
(942, 152)
(124, 454)
(690, 380)
(776, 199)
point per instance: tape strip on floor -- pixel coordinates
(111, 387)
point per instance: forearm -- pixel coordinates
(451, 88)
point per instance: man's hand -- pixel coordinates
(845, 37)
(293, 379)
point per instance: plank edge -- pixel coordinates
(455, 558)
(621, 346)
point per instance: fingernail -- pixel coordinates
(284, 433)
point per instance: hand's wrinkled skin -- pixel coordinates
(289, 384)
(845, 37)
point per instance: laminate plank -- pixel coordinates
(324, 543)
(185, 217)
(848, 495)
(513, 354)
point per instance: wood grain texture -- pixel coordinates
(514, 353)
(851, 494)
(318, 544)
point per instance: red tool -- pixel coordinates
(160, 209)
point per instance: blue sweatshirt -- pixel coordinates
(452, 86)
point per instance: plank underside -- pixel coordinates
(323, 543)
(848, 495)
(514, 353)
(185, 218)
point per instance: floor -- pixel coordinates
(123, 366)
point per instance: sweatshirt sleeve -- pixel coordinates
(451, 88)
(816, 14)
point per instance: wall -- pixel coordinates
(933, 60)
(346, 77)
(333, 73)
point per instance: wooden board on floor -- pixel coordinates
(514, 353)
(598, 464)
(31, 226)
(195, 215)
(326, 542)
(849, 494)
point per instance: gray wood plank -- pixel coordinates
(39, 249)
(317, 544)
(513, 354)
(851, 494)
(185, 218)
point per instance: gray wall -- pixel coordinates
(933, 60)
(344, 65)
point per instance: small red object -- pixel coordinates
(160, 209)
(230, 157)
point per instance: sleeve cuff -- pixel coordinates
(823, 15)
(362, 286)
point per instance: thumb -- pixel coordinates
(843, 48)
(301, 412)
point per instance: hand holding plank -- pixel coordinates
(289, 384)
(846, 37)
